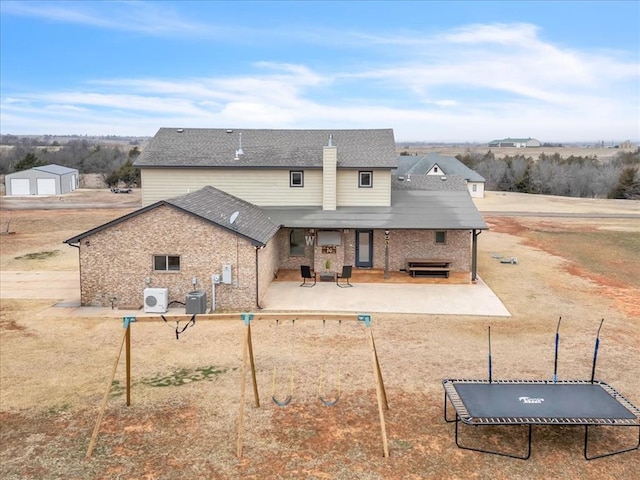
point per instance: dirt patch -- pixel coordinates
(185, 397)
(615, 270)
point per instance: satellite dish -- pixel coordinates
(234, 217)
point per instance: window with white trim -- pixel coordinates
(296, 178)
(365, 179)
(166, 263)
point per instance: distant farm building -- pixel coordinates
(516, 142)
(46, 180)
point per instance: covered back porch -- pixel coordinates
(376, 275)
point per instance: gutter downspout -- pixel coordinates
(474, 255)
(77, 245)
(258, 248)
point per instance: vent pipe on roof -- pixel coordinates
(330, 140)
(239, 151)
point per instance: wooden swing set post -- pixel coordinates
(247, 355)
(380, 389)
(128, 363)
(126, 343)
(381, 394)
(103, 406)
(248, 361)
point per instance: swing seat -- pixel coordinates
(329, 403)
(282, 403)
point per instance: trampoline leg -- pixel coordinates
(445, 411)
(492, 452)
(586, 446)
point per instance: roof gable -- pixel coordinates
(220, 208)
(448, 166)
(213, 206)
(211, 147)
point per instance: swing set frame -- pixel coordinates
(248, 363)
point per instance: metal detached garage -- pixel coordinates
(46, 180)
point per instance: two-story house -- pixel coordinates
(224, 210)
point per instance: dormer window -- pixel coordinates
(435, 169)
(296, 178)
(365, 179)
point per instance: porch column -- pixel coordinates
(386, 254)
(474, 255)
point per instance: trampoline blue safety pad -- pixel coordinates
(539, 402)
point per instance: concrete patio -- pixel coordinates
(418, 298)
(369, 294)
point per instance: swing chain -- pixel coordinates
(330, 403)
(177, 328)
(289, 397)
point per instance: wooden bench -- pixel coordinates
(428, 267)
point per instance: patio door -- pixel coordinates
(364, 248)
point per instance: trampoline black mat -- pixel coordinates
(539, 402)
(567, 402)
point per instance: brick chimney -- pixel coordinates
(329, 175)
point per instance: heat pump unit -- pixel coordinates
(155, 300)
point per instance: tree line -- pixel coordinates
(574, 176)
(114, 164)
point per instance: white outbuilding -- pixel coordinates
(46, 180)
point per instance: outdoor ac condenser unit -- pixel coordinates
(155, 300)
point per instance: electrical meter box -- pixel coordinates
(226, 274)
(196, 302)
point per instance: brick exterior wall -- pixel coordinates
(403, 244)
(115, 262)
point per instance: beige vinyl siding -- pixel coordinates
(350, 195)
(259, 186)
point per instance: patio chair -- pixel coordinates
(305, 271)
(346, 274)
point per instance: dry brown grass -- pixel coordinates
(53, 372)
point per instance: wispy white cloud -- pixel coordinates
(134, 16)
(475, 82)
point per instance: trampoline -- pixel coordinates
(539, 402)
(526, 403)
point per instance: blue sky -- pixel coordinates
(435, 71)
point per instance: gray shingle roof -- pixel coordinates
(217, 207)
(213, 206)
(211, 147)
(448, 165)
(429, 182)
(410, 209)
(55, 169)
